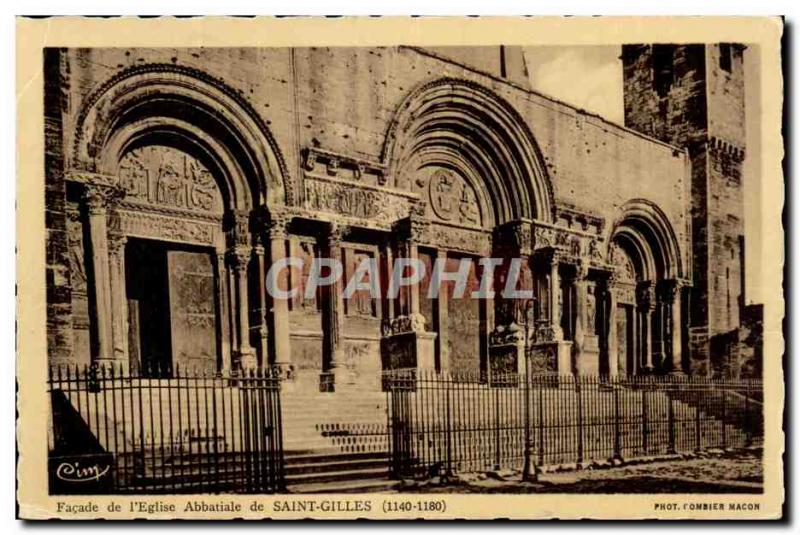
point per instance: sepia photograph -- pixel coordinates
(404, 270)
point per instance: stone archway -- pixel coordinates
(646, 312)
(169, 156)
(477, 170)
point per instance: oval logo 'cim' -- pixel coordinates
(75, 473)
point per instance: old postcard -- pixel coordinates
(400, 268)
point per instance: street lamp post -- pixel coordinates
(528, 474)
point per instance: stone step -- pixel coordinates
(299, 457)
(334, 463)
(364, 486)
(337, 473)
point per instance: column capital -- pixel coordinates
(548, 255)
(516, 236)
(413, 227)
(116, 243)
(237, 223)
(238, 257)
(98, 198)
(645, 295)
(274, 220)
(606, 276)
(335, 233)
(670, 289)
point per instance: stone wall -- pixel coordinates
(57, 270)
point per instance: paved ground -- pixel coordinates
(723, 472)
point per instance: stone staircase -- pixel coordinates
(335, 442)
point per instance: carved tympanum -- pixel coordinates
(452, 199)
(165, 176)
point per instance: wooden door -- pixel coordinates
(193, 318)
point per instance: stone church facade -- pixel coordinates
(176, 177)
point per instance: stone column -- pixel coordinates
(119, 308)
(406, 343)
(258, 252)
(554, 296)
(333, 303)
(512, 241)
(96, 199)
(240, 259)
(646, 300)
(581, 329)
(672, 298)
(279, 327)
(610, 323)
(442, 322)
(225, 302)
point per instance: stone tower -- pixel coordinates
(692, 96)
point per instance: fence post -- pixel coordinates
(496, 426)
(580, 418)
(645, 444)
(698, 397)
(541, 425)
(448, 433)
(748, 432)
(671, 421)
(724, 415)
(617, 438)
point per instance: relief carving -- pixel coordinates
(353, 201)
(166, 228)
(165, 176)
(452, 199)
(622, 263)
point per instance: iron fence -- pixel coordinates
(448, 422)
(118, 430)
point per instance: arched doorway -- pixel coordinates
(173, 170)
(646, 316)
(475, 167)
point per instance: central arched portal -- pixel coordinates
(470, 159)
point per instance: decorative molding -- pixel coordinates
(157, 226)
(170, 211)
(353, 200)
(90, 177)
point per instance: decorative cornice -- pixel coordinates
(334, 161)
(586, 220)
